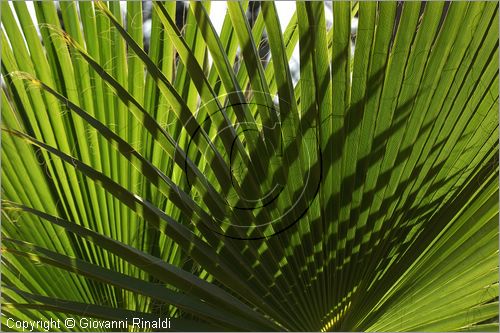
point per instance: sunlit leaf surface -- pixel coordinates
(189, 170)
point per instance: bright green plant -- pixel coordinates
(197, 182)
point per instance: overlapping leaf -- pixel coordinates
(195, 180)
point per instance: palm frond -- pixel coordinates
(189, 177)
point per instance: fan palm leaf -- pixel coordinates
(186, 177)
